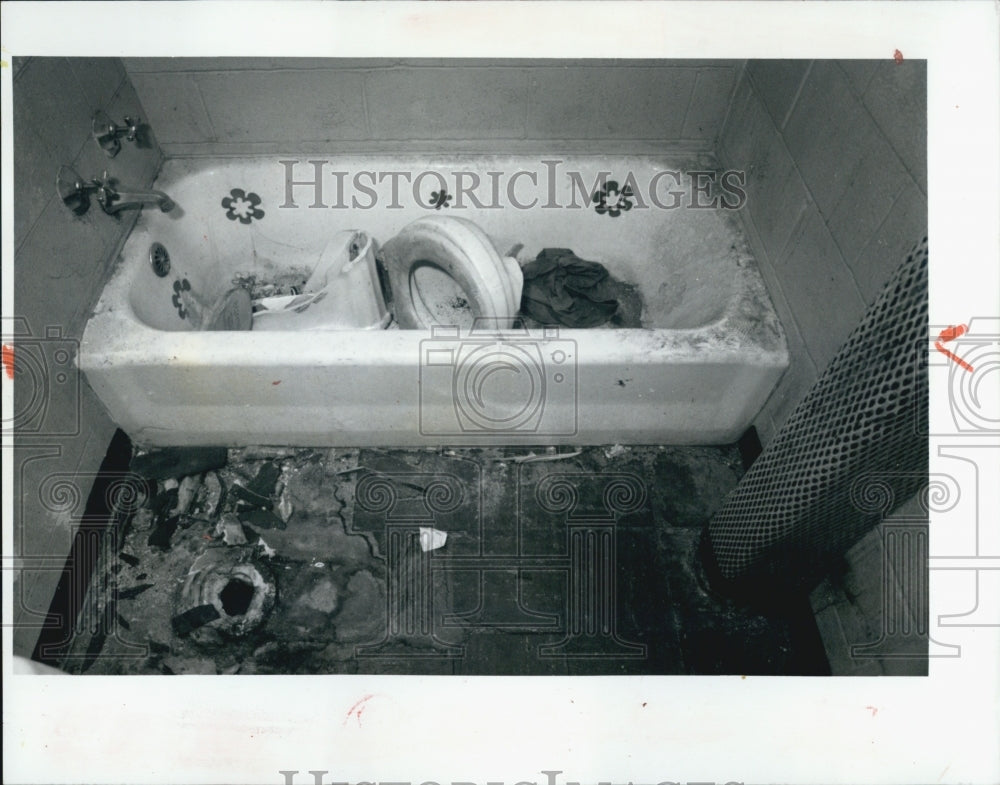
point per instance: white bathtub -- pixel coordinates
(710, 352)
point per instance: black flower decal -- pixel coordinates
(180, 286)
(611, 200)
(440, 199)
(242, 206)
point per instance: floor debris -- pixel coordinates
(170, 462)
(533, 458)
(330, 561)
(432, 539)
(230, 530)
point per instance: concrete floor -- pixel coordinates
(311, 563)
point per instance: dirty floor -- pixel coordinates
(466, 561)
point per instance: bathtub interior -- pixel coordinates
(687, 264)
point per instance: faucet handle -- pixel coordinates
(106, 194)
(69, 185)
(131, 127)
(105, 133)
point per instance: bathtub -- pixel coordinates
(696, 370)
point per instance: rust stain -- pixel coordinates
(898, 57)
(358, 709)
(273, 384)
(950, 334)
(8, 360)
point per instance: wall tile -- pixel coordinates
(35, 166)
(99, 79)
(776, 195)
(793, 387)
(174, 107)
(876, 181)
(796, 381)
(161, 65)
(41, 530)
(859, 72)
(777, 82)
(18, 63)
(441, 103)
(819, 133)
(905, 225)
(913, 665)
(633, 102)
(707, 110)
(51, 123)
(802, 373)
(841, 627)
(735, 144)
(818, 283)
(136, 65)
(766, 429)
(55, 109)
(46, 524)
(897, 99)
(25, 633)
(61, 263)
(282, 106)
(56, 258)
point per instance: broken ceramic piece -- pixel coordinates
(431, 539)
(230, 530)
(210, 496)
(178, 461)
(186, 491)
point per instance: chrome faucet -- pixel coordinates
(108, 135)
(112, 199)
(73, 190)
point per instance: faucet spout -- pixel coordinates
(113, 200)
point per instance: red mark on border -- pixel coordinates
(898, 57)
(358, 709)
(8, 360)
(950, 334)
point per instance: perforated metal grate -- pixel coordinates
(801, 504)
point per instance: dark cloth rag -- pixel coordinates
(561, 288)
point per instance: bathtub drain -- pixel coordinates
(160, 259)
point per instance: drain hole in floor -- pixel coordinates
(236, 597)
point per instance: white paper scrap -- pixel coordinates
(431, 539)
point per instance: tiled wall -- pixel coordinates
(835, 155)
(61, 263)
(241, 105)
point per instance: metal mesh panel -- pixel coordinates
(798, 506)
